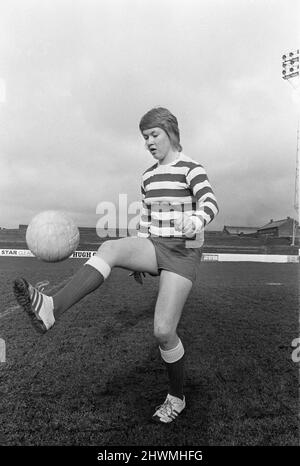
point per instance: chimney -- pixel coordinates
(271, 221)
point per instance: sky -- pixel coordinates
(77, 76)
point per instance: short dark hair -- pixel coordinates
(162, 118)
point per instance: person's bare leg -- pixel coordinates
(137, 254)
(173, 292)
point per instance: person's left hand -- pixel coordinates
(185, 224)
(138, 276)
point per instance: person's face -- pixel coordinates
(157, 142)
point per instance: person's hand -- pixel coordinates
(185, 224)
(138, 276)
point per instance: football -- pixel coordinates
(52, 236)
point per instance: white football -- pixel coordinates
(52, 236)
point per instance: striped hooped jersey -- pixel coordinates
(181, 186)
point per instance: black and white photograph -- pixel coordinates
(149, 227)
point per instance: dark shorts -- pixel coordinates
(172, 255)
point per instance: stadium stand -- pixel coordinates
(215, 242)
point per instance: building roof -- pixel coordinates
(234, 229)
(276, 223)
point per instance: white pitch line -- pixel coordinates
(9, 310)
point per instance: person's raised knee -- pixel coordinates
(108, 251)
(106, 246)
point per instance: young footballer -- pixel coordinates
(177, 203)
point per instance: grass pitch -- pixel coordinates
(96, 377)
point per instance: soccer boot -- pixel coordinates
(37, 305)
(169, 410)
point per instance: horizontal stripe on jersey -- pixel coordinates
(182, 186)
